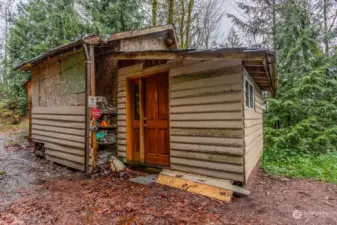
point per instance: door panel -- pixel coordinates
(156, 119)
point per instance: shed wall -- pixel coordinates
(58, 118)
(253, 122)
(206, 119)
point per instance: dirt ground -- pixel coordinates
(34, 191)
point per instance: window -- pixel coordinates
(249, 92)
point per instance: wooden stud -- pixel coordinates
(128, 122)
(92, 71)
(195, 55)
(141, 122)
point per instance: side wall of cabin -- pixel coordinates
(58, 109)
(206, 117)
(253, 128)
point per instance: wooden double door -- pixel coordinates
(150, 119)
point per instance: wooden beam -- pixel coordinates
(140, 32)
(129, 130)
(256, 69)
(130, 69)
(252, 63)
(193, 55)
(153, 70)
(92, 70)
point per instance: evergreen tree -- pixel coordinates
(302, 119)
(39, 26)
(110, 16)
(260, 21)
(232, 40)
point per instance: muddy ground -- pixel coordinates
(33, 191)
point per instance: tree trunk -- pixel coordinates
(154, 12)
(189, 21)
(274, 26)
(182, 24)
(171, 11)
(326, 33)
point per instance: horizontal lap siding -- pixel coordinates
(62, 130)
(253, 130)
(206, 119)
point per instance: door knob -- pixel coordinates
(145, 125)
(144, 118)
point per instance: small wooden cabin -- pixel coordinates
(196, 111)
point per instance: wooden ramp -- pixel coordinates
(206, 186)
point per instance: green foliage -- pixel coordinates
(110, 16)
(232, 40)
(319, 167)
(303, 117)
(10, 113)
(38, 26)
(301, 122)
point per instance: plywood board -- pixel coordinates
(197, 188)
(221, 183)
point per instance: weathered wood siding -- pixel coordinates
(47, 84)
(58, 118)
(206, 119)
(61, 129)
(142, 43)
(253, 129)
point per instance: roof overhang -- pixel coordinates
(95, 40)
(259, 63)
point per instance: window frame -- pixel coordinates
(248, 95)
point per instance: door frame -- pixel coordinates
(129, 114)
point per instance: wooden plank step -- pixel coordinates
(195, 187)
(220, 183)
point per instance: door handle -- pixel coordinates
(145, 118)
(145, 125)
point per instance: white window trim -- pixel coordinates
(248, 91)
